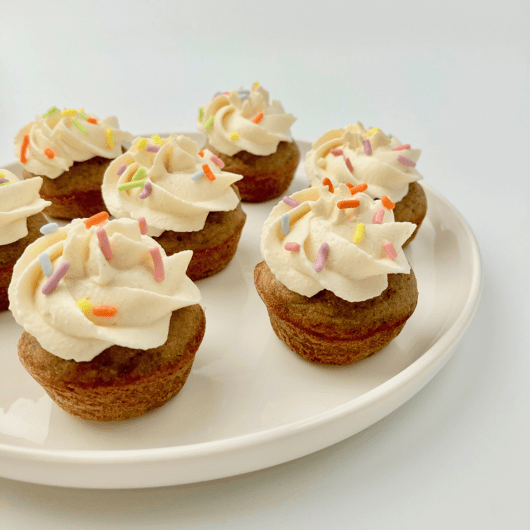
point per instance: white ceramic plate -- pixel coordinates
(249, 402)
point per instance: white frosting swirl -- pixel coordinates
(19, 199)
(352, 271)
(176, 202)
(232, 114)
(381, 169)
(57, 141)
(126, 281)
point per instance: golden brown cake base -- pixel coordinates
(10, 253)
(77, 192)
(119, 383)
(213, 247)
(412, 208)
(326, 328)
(264, 177)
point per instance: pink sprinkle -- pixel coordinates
(322, 256)
(377, 219)
(3, 180)
(121, 170)
(153, 148)
(143, 225)
(390, 250)
(104, 243)
(290, 201)
(159, 266)
(337, 152)
(401, 147)
(406, 161)
(367, 147)
(55, 278)
(292, 247)
(348, 164)
(146, 191)
(217, 161)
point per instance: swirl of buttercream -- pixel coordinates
(51, 144)
(19, 199)
(176, 201)
(355, 268)
(233, 122)
(357, 155)
(66, 323)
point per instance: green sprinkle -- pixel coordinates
(140, 174)
(78, 125)
(83, 115)
(209, 123)
(5, 183)
(51, 111)
(131, 185)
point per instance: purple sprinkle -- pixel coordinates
(348, 164)
(406, 161)
(146, 191)
(322, 256)
(3, 180)
(290, 201)
(367, 147)
(55, 278)
(153, 148)
(121, 170)
(337, 152)
(377, 219)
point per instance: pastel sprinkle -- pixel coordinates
(104, 310)
(121, 170)
(322, 256)
(327, 182)
(367, 147)
(130, 185)
(153, 148)
(143, 225)
(23, 149)
(148, 188)
(156, 138)
(403, 147)
(201, 113)
(285, 223)
(104, 243)
(84, 305)
(69, 112)
(290, 201)
(3, 180)
(406, 161)
(208, 124)
(208, 172)
(49, 153)
(159, 265)
(359, 233)
(387, 203)
(377, 219)
(55, 278)
(234, 136)
(337, 152)
(373, 129)
(6, 183)
(198, 175)
(357, 189)
(390, 250)
(49, 228)
(2, 175)
(201, 153)
(50, 111)
(141, 144)
(82, 114)
(243, 93)
(93, 121)
(141, 173)
(77, 123)
(109, 138)
(349, 164)
(292, 247)
(96, 219)
(217, 161)
(45, 264)
(258, 117)
(351, 203)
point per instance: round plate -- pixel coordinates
(249, 402)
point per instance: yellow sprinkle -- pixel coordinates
(359, 233)
(84, 305)
(234, 136)
(142, 144)
(2, 175)
(256, 83)
(109, 136)
(156, 138)
(69, 112)
(374, 129)
(80, 110)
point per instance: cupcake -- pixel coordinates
(253, 138)
(111, 323)
(20, 222)
(71, 150)
(184, 197)
(335, 280)
(355, 155)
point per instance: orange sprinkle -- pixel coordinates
(352, 203)
(258, 117)
(201, 153)
(327, 182)
(387, 203)
(23, 148)
(96, 219)
(357, 189)
(92, 120)
(104, 310)
(208, 172)
(49, 153)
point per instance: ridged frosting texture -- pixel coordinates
(51, 144)
(126, 282)
(353, 271)
(386, 165)
(19, 199)
(177, 200)
(245, 121)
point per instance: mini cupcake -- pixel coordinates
(20, 222)
(355, 155)
(253, 138)
(111, 323)
(335, 281)
(71, 150)
(183, 196)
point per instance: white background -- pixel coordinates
(450, 77)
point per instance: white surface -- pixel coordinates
(451, 77)
(249, 402)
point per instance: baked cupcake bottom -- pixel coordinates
(412, 208)
(264, 177)
(213, 247)
(77, 192)
(10, 253)
(119, 383)
(327, 329)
